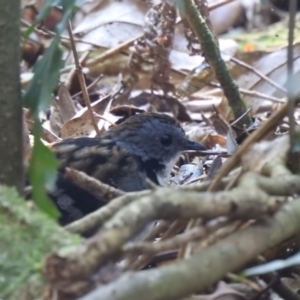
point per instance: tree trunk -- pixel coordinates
(10, 96)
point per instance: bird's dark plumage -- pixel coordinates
(143, 146)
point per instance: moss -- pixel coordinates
(26, 236)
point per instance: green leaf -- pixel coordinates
(181, 5)
(68, 7)
(296, 146)
(43, 171)
(45, 10)
(46, 73)
(43, 165)
(28, 31)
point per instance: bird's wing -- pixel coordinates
(102, 159)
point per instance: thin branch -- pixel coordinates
(254, 94)
(89, 87)
(82, 81)
(97, 218)
(212, 54)
(170, 244)
(257, 135)
(258, 73)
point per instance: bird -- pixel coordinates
(144, 146)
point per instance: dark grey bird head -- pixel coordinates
(158, 140)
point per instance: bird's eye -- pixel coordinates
(166, 140)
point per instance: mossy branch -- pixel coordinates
(212, 54)
(26, 237)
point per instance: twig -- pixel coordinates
(258, 73)
(255, 94)
(97, 218)
(107, 54)
(273, 280)
(49, 33)
(213, 6)
(99, 189)
(170, 244)
(82, 81)
(247, 282)
(142, 261)
(239, 118)
(70, 76)
(89, 86)
(257, 135)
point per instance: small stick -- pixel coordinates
(82, 81)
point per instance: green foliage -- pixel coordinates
(46, 73)
(42, 172)
(296, 146)
(38, 96)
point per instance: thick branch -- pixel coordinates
(208, 266)
(159, 205)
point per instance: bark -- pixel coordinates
(10, 96)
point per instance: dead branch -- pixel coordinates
(161, 204)
(97, 218)
(205, 268)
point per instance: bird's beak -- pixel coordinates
(191, 145)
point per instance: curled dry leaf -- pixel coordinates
(219, 124)
(109, 23)
(215, 166)
(125, 111)
(231, 143)
(65, 104)
(81, 124)
(55, 120)
(47, 135)
(62, 110)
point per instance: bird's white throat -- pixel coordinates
(164, 176)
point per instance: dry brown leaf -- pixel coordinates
(273, 65)
(65, 104)
(78, 126)
(55, 120)
(231, 143)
